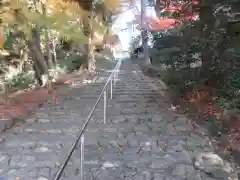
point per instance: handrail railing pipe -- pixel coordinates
(112, 80)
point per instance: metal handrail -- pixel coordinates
(110, 80)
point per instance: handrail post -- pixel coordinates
(111, 84)
(114, 77)
(82, 158)
(105, 107)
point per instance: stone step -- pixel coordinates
(117, 130)
(114, 118)
(84, 95)
(118, 84)
(125, 113)
(99, 138)
(136, 97)
(131, 103)
(146, 92)
(133, 81)
(118, 98)
(135, 118)
(119, 91)
(141, 107)
(115, 100)
(132, 89)
(134, 110)
(122, 89)
(108, 127)
(100, 157)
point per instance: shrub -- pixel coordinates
(21, 81)
(70, 62)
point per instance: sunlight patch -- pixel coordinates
(110, 165)
(87, 81)
(104, 70)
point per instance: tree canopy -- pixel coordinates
(42, 35)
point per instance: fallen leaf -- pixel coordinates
(43, 132)
(157, 144)
(194, 125)
(54, 98)
(139, 149)
(165, 147)
(121, 148)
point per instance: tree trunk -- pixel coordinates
(144, 34)
(207, 24)
(40, 65)
(91, 60)
(39, 62)
(48, 49)
(40, 59)
(1, 30)
(23, 58)
(38, 73)
(35, 31)
(54, 51)
(87, 26)
(1, 36)
(146, 59)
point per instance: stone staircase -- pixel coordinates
(143, 138)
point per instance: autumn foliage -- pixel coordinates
(200, 57)
(179, 11)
